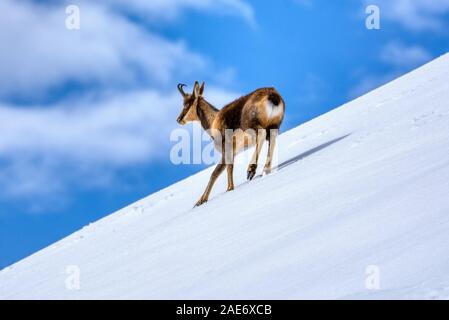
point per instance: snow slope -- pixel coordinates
(364, 185)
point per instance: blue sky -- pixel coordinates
(86, 115)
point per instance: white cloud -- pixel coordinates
(415, 15)
(39, 52)
(121, 129)
(400, 58)
(400, 55)
(170, 9)
(89, 138)
(124, 120)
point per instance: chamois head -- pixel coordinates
(190, 103)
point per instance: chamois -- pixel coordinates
(250, 119)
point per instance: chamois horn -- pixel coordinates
(181, 89)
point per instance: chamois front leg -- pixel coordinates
(260, 138)
(218, 170)
(272, 138)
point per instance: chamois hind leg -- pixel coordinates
(218, 170)
(272, 138)
(230, 164)
(230, 168)
(260, 138)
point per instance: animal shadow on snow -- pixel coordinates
(309, 152)
(302, 156)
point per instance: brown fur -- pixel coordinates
(247, 112)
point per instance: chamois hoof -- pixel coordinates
(200, 202)
(251, 171)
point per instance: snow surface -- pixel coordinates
(364, 185)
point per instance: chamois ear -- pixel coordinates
(201, 89)
(196, 88)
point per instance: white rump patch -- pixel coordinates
(273, 110)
